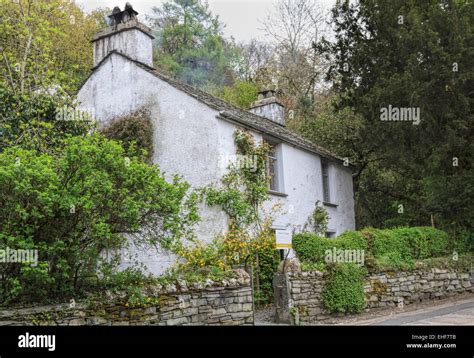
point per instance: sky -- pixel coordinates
(240, 16)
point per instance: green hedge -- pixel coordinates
(384, 248)
(415, 242)
(311, 248)
(398, 248)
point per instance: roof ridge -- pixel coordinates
(230, 111)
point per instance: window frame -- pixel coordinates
(277, 178)
(325, 181)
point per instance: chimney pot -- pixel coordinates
(125, 35)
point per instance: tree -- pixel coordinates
(408, 55)
(72, 195)
(75, 204)
(44, 45)
(293, 26)
(190, 43)
(241, 94)
(39, 121)
(253, 57)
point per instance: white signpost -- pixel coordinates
(283, 239)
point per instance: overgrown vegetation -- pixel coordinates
(75, 204)
(250, 241)
(407, 55)
(46, 44)
(344, 289)
(39, 121)
(135, 133)
(71, 195)
(317, 222)
(190, 44)
(384, 250)
(312, 248)
(389, 249)
(245, 186)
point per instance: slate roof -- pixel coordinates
(235, 114)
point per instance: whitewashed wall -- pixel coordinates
(190, 140)
(132, 42)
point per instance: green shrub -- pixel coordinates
(309, 266)
(344, 289)
(434, 242)
(351, 240)
(397, 248)
(393, 261)
(459, 262)
(463, 241)
(311, 248)
(74, 206)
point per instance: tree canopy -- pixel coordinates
(46, 44)
(190, 44)
(406, 55)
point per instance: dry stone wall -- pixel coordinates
(298, 296)
(208, 306)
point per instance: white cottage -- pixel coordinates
(193, 132)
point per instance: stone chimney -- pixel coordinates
(269, 107)
(126, 35)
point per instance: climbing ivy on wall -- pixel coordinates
(250, 239)
(135, 132)
(245, 186)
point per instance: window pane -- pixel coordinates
(325, 177)
(272, 167)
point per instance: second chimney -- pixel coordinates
(269, 107)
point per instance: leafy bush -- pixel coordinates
(463, 241)
(396, 248)
(39, 121)
(310, 266)
(244, 187)
(460, 262)
(135, 133)
(344, 289)
(318, 220)
(399, 248)
(311, 248)
(236, 248)
(76, 204)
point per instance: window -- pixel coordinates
(273, 167)
(330, 234)
(325, 175)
